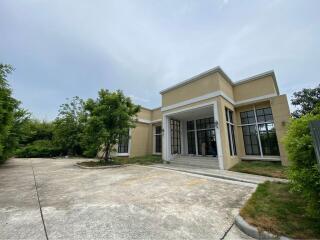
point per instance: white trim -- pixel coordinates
(123, 154)
(218, 135)
(216, 94)
(166, 140)
(192, 100)
(258, 132)
(141, 120)
(156, 121)
(255, 99)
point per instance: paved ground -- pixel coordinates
(224, 174)
(131, 202)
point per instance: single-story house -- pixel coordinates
(211, 121)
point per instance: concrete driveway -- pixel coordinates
(132, 202)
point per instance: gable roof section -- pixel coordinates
(219, 70)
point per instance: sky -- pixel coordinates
(67, 48)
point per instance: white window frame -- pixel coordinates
(256, 124)
(154, 139)
(231, 137)
(127, 154)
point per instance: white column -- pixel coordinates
(218, 135)
(166, 141)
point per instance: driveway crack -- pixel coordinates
(40, 208)
(228, 230)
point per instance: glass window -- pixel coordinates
(158, 143)
(230, 130)
(247, 117)
(123, 144)
(175, 137)
(268, 138)
(158, 139)
(250, 139)
(264, 115)
(205, 123)
(158, 129)
(191, 142)
(190, 125)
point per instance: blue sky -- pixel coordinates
(67, 48)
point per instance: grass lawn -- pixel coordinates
(145, 160)
(273, 208)
(269, 169)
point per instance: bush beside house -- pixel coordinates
(304, 172)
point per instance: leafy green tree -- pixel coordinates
(34, 130)
(303, 173)
(108, 118)
(305, 100)
(68, 127)
(35, 140)
(12, 116)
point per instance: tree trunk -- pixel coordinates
(107, 153)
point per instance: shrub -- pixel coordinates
(304, 174)
(39, 148)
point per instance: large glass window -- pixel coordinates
(158, 139)
(201, 137)
(191, 137)
(250, 138)
(175, 136)
(230, 129)
(269, 142)
(259, 134)
(123, 144)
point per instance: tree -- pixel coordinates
(305, 100)
(108, 118)
(68, 126)
(12, 116)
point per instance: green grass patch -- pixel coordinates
(269, 169)
(275, 209)
(98, 163)
(145, 160)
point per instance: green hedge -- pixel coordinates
(39, 148)
(304, 173)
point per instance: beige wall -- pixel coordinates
(142, 136)
(145, 114)
(225, 86)
(256, 88)
(281, 116)
(156, 114)
(228, 160)
(191, 90)
(141, 140)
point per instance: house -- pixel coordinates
(211, 121)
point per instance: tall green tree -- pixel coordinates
(108, 118)
(305, 100)
(12, 116)
(69, 125)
